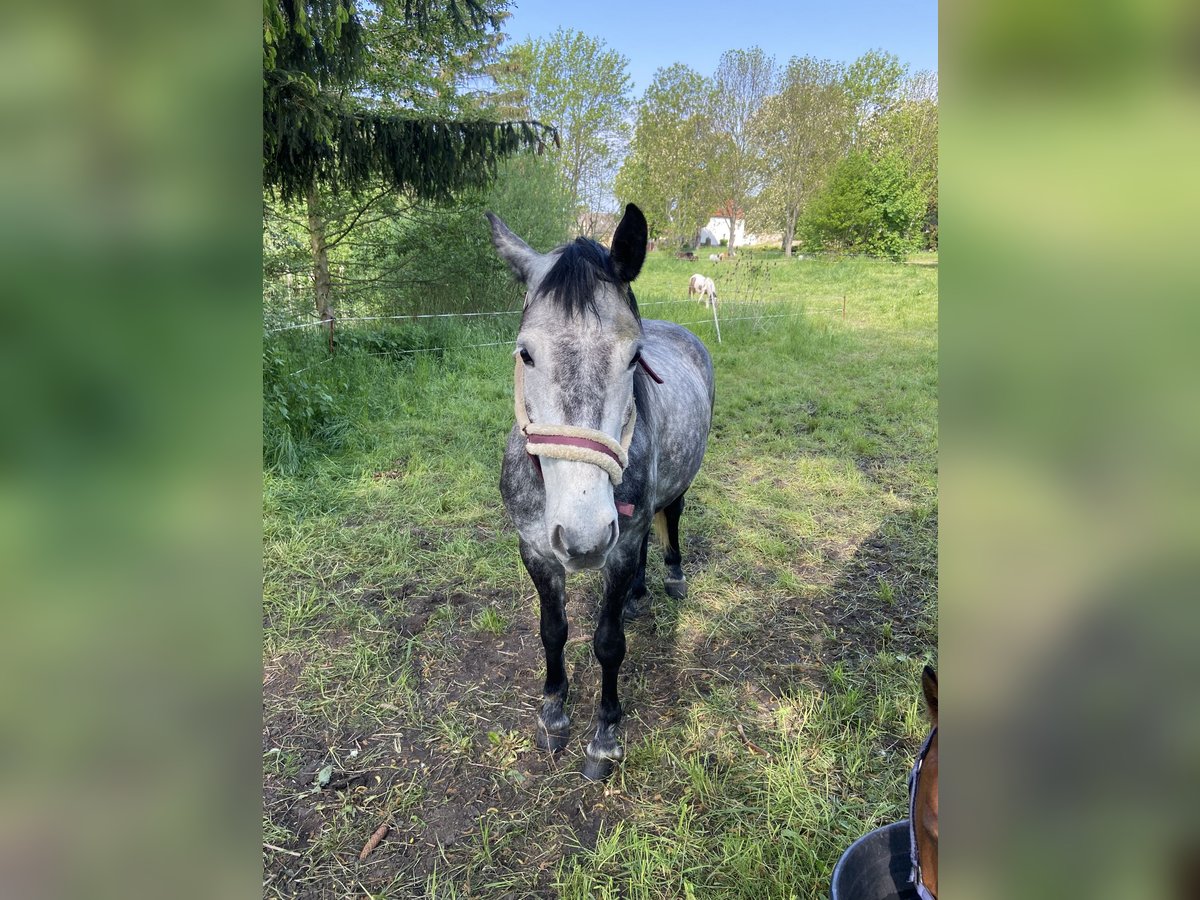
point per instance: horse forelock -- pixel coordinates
(579, 272)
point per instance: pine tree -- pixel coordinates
(326, 124)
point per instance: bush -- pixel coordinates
(931, 226)
(297, 412)
(448, 251)
(869, 206)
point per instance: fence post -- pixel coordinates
(331, 320)
(716, 324)
(843, 307)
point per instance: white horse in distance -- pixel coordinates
(702, 285)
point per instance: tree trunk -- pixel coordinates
(320, 254)
(789, 231)
(732, 232)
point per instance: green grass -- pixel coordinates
(772, 716)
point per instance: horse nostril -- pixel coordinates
(612, 532)
(556, 539)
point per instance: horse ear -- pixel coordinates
(629, 244)
(514, 251)
(929, 687)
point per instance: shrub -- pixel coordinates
(869, 206)
(297, 412)
(931, 226)
(448, 251)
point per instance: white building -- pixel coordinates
(717, 230)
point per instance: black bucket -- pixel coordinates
(876, 867)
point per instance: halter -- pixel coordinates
(914, 857)
(571, 442)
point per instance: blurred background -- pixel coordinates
(130, 171)
(1068, 441)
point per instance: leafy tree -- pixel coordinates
(398, 257)
(329, 121)
(444, 262)
(743, 81)
(664, 173)
(872, 82)
(869, 206)
(803, 131)
(574, 81)
(910, 128)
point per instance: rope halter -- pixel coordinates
(571, 442)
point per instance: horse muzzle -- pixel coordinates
(581, 547)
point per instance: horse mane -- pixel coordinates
(582, 266)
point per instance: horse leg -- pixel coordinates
(637, 593)
(553, 725)
(605, 750)
(675, 584)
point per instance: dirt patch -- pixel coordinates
(456, 775)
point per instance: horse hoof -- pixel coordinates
(676, 588)
(636, 607)
(597, 769)
(551, 742)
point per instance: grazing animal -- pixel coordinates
(712, 257)
(923, 800)
(613, 414)
(702, 285)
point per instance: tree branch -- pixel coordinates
(334, 241)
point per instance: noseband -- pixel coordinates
(913, 777)
(571, 442)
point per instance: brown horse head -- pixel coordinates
(925, 793)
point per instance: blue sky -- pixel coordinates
(655, 34)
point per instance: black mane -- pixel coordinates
(579, 270)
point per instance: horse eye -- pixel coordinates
(525, 357)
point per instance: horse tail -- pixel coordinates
(660, 528)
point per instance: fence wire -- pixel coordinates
(807, 310)
(315, 323)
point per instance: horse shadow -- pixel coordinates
(882, 599)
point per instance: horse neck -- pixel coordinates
(926, 815)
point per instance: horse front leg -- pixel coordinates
(605, 750)
(553, 725)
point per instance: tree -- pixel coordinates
(803, 131)
(873, 81)
(574, 81)
(664, 173)
(324, 126)
(869, 206)
(396, 257)
(743, 81)
(910, 128)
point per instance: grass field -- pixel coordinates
(771, 717)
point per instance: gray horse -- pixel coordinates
(613, 415)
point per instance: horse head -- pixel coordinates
(577, 349)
